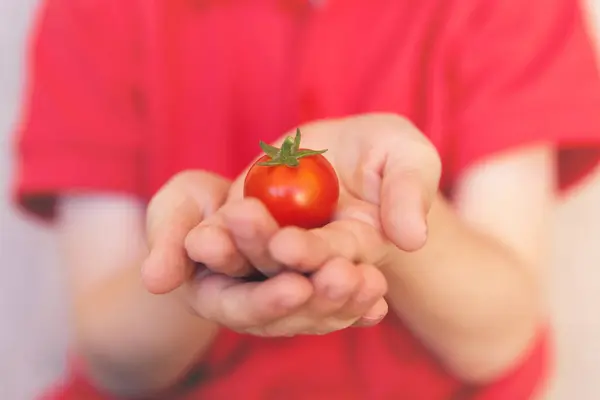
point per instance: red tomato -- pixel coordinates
(299, 187)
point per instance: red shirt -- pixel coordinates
(123, 94)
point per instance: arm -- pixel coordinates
(473, 293)
(133, 343)
(81, 133)
(480, 305)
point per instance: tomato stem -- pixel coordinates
(288, 154)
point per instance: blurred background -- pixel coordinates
(33, 332)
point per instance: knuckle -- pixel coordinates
(253, 207)
(345, 230)
(364, 241)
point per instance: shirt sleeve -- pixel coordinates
(80, 129)
(525, 73)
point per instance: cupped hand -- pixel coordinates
(322, 280)
(389, 175)
(382, 160)
(189, 210)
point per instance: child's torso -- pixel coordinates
(218, 76)
(230, 73)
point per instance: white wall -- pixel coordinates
(576, 285)
(33, 333)
(32, 320)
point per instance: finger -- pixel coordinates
(210, 244)
(245, 305)
(409, 185)
(385, 160)
(351, 208)
(251, 227)
(173, 212)
(299, 249)
(371, 290)
(334, 284)
(354, 240)
(375, 315)
(307, 251)
(405, 205)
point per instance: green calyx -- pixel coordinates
(288, 154)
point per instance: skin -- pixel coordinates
(397, 244)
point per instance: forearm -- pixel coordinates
(472, 301)
(132, 342)
(135, 343)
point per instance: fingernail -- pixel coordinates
(371, 321)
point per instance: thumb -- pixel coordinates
(406, 197)
(396, 167)
(177, 208)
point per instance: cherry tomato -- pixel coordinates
(298, 186)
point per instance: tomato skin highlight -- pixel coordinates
(305, 195)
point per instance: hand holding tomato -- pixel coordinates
(183, 214)
(388, 177)
(179, 209)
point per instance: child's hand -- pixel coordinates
(183, 212)
(388, 174)
(180, 205)
(344, 287)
